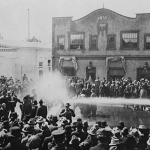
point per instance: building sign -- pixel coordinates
(102, 25)
(102, 18)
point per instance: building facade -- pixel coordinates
(19, 58)
(102, 44)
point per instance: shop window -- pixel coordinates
(111, 42)
(77, 41)
(61, 42)
(129, 40)
(93, 42)
(68, 71)
(147, 41)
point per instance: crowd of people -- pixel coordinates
(124, 87)
(36, 129)
(64, 133)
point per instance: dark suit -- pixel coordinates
(42, 111)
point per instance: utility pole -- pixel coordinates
(28, 24)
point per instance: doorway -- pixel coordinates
(91, 72)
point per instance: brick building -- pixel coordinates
(102, 44)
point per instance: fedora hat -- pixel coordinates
(65, 122)
(41, 101)
(67, 104)
(15, 131)
(40, 120)
(32, 121)
(74, 140)
(114, 141)
(26, 129)
(92, 131)
(142, 127)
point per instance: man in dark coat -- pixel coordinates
(59, 138)
(42, 110)
(15, 136)
(67, 112)
(26, 107)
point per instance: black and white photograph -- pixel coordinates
(74, 74)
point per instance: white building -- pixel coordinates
(18, 58)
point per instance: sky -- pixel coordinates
(14, 14)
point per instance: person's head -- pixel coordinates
(79, 120)
(67, 105)
(54, 119)
(3, 105)
(15, 134)
(41, 102)
(93, 133)
(13, 116)
(120, 125)
(85, 125)
(31, 122)
(5, 124)
(59, 136)
(35, 102)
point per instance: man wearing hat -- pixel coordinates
(14, 120)
(102, 141)
(91, 140)
(42, 110)
(116, 144)
(14, 137)
(3, 133)
(79, 132)
(32, 123)
(26, 107)
(59, 138)
(67, 112)
(34, 109)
